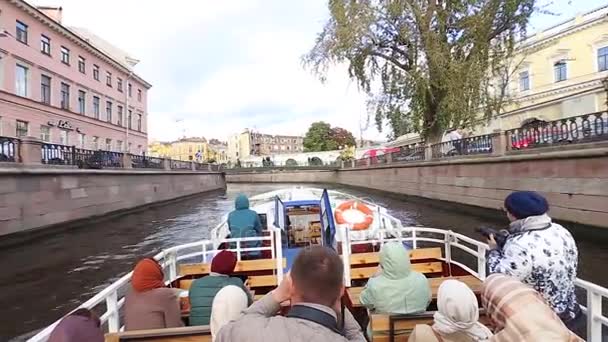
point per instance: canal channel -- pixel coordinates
(43, 279)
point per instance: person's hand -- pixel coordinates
(283, 292)
(492, 242)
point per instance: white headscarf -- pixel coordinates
(458, 311)
(227, 306)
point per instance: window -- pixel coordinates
(120, 113)
(21, 129)
(82, 102)
(119, 145)
(65, 55)
(129, 119)
(602, 59)
(21, 32)
(139, 95)
(96, 72)
(130, 90)
(560, 70)
(45, 89)
(21, 78)
(45, 45)
(524, 81)
(108, 78)
(45, 133)
(109, 111)
(119, 84)
(65, 96)
(63, 137)
(96, 107)
(82, 64)
(95, 143)
(139, 122)
(108, 144)
(81, 140)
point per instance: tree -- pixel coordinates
(322, 137)
(426, 64)
(341, 138)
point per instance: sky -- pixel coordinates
(220, 66)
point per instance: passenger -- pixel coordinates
(396, 288)
(520, 314)
(540, 253)
(457, 317)
(244, 222)
(203, 290)
(314, 288)
(149, 304)
(227, 306)
(80, 325)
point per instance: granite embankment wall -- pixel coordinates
(36, 198)
(575, 182)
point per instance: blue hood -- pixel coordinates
(241, 202)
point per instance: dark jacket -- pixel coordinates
(244, 222)
(203, 290)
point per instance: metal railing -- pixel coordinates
(144, 162)
(92, 159)
(413, 152)
(8, 149)
(55, 154)
(481, 144)
(201, 166)
(573, 130)
(181, 165)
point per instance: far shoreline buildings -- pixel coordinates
(67, 86)
(253, 143)
(191, 149)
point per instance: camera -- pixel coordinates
(500, 236)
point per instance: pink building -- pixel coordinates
(66, 86)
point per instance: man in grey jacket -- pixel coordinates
(314, 288)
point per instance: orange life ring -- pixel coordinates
(354, 205)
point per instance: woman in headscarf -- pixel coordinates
(80, 325)
(457, 317)
(149, 303)
(520, 314)
(227, 306)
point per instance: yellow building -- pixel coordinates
(159, 149)
(187, 149)
(558, 73)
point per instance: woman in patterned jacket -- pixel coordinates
(539, 253)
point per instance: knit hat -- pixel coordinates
(224, 262)
(522, 204)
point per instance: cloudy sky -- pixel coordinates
(219, 66)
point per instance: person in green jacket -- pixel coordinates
(396, 289)
(203, 290)
(244, 222)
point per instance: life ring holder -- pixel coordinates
(354, 205)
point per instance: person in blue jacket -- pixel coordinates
(244, 222)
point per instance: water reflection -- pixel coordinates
(48, 277)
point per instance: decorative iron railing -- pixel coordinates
(573, 130)
(201, 166)
(413, 152)
(90, 159)
(8, 149)
(143, 162)
(481, 144)
(55, 154)
(181, 165)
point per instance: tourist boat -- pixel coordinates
(297, 217)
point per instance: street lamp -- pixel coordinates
(131, 63)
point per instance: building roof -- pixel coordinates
(78, 39)
(119, 55)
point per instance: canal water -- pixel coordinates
(46, 278)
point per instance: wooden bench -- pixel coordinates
(422, 267)
(415, 254)
(183, 334)
(252, 282)
(354, 293)
(241, 266)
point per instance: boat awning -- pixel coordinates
(301, 203)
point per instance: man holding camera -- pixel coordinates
(540, 253)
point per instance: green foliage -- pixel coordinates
(322, 137)
(426, 64)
